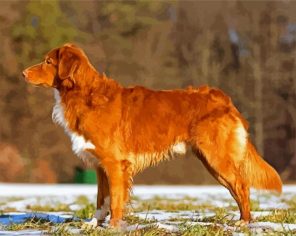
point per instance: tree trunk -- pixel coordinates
(290, 168)
(258, 90)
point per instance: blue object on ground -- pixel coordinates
(7, 219)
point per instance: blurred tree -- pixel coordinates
(45, 23)
(246, 48)
(124, 29)
(238, 51)
(8, 66)
(42, 26)
(267, 70)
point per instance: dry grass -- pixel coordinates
(221, 223)
(280, 216)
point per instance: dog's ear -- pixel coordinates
(67, 66)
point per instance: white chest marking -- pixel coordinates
(79, 144)
(179, 148)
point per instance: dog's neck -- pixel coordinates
(96, 91)
(87, 81)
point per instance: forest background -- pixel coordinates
(246, 48)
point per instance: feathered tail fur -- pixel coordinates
(259, 173)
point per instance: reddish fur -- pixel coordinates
(120, 121)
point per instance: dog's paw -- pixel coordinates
(118, 224)
(241, 223)
(93, 224)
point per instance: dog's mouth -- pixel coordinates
(27, 80)
(40, 84)
(26, 77)
(45, 85)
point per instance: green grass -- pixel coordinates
(173, 205)
(7, 209)
(82, 200)
(132, 219)
(208, 225)
(86, 212)
(49, 208)
(255, 205)
(221, 217)
(30, 224)
(280, 216)
(4, 201)
(192, 230)
(152, 230)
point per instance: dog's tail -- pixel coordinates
(259, 173)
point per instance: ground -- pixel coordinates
(154, 210)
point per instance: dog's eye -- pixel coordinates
(48, 61)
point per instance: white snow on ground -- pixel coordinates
(273, 226)
(19, 196)
(23, 232)
(168, 227)
(21, 205)
(159, 215)
(144, 191)
(24, 190)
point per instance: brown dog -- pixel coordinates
(124, 130)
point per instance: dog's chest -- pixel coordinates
(79, 143)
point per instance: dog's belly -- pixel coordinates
(143, 160)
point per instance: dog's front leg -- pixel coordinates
(103, 198)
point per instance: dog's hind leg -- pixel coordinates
(221, 145)
(240, 192)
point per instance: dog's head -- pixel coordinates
(59, 68)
